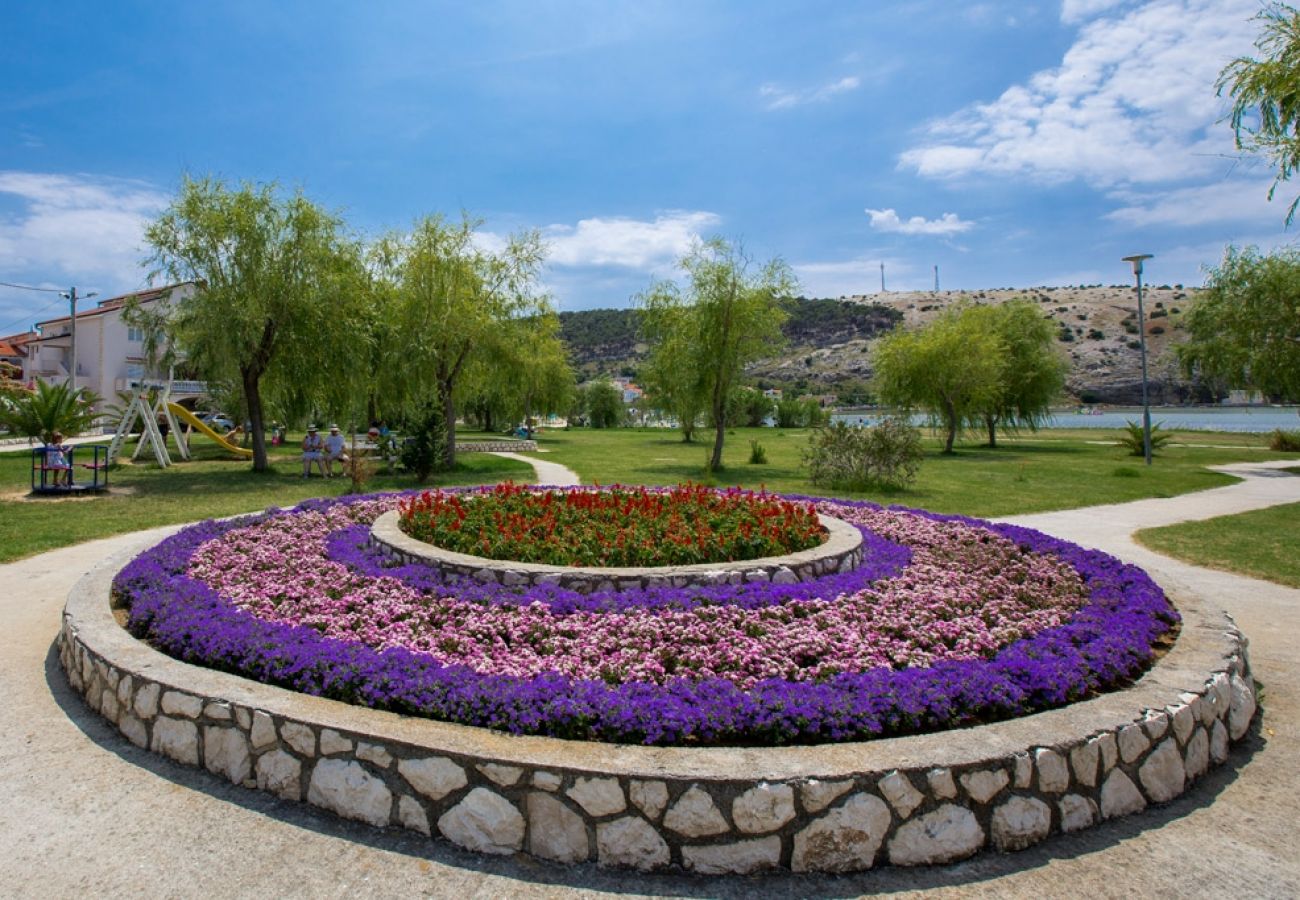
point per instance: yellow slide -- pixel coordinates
(189, 418)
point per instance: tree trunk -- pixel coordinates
(992, 423)
(719, 432)
(950, 419)
(253, 396)
(449, 423)
(487, 418)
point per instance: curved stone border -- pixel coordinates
(913, 800)
(840, 552)
(496, 446)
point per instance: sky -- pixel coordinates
(1009, 144)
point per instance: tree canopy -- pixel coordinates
(273, 310)
(730, 315)
(1265, 91)
(1032, 369)
(1245, 324)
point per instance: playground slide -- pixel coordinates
(189, 418)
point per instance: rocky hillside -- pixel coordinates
(830, 341)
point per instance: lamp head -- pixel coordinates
(1137, 262)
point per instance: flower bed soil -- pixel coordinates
(948, 622)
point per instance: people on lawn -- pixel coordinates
(313, 451)
(334, 451)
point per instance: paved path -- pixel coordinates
(548, 473)
(84, 813)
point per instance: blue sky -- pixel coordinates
(1011, 144)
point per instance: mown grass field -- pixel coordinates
(1260, 544)
(1058, 469)
(1028, 473)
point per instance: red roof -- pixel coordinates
(112, 303)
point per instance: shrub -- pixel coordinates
(1284, 441)
(886, 455)
(757, 454)
(1131, 439)
(421, 452)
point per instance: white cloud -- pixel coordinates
(778, 97)
(653, 246)
(1074, 11)
(948, 224)
(1133, 101)
(76, 229)
(1238, 200)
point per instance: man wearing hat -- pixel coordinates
(334, 451)
(312, 451)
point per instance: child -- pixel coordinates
(56, 458)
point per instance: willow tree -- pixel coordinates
(1031, 369)
(273, 310)
(730, 315)
(450, 299)
(951, 367)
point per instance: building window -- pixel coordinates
(135, 335)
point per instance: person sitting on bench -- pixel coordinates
(312, 452)
(334, 451)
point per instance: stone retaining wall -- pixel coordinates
(841, 552)
(834, 808)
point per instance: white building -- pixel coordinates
(110, 354)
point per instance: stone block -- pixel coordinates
(502, 776)
(1053, 772)
(739, 858)
(1077, 812)
(133, 729)
(1196, 759)
(300, 737)
(846, 839)
(176, 738)
(1162, 774)
(125, 688)
(262, 733)
(1155, 723)
(1180, 714)
(898, 789)
(485, 822)
(1119, 796)
(630, 842)
(1133, 742)
(941, 784)
(146, 701)
(1241, 707)
(1022, 771)
(984, 785)
(1109, 750)
(547, 781)
(949, 833)
(763, 808)
(175, 703)
(1218, 743)
(598, 796)
(280, 773)
(374, 754)
(1083, 760)
(243, 718)
(412, 815)
(435, 777)
(1021, 822)
(225, 752)
(108, 707)
(649, 796)
(555, 832)
(695, 815)
(218, 711)
(817, 795)
(332, 743)
(346, 788)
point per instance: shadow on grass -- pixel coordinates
(982, 871)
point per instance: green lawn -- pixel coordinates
(1260, 543)
(210, 485)
(1048, 470)
(1032, 473)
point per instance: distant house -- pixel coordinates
(13, 353)
(109, 352)
(631, 393)
(773, 394)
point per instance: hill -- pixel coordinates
(830, 340)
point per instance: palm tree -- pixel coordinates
(47, 409)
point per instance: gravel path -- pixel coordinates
(85, 813)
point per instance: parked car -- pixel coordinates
(217, 421)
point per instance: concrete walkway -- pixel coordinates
(548, 473)
(84, 813)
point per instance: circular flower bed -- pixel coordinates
(949, 621)
(686, 525)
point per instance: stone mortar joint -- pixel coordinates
(915, 800)
(840, 552)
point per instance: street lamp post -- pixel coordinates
(1142, 343)
(71, 296)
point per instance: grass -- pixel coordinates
(1259, 544)
(1058, 469)
(1031, 473)
(144, 496)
